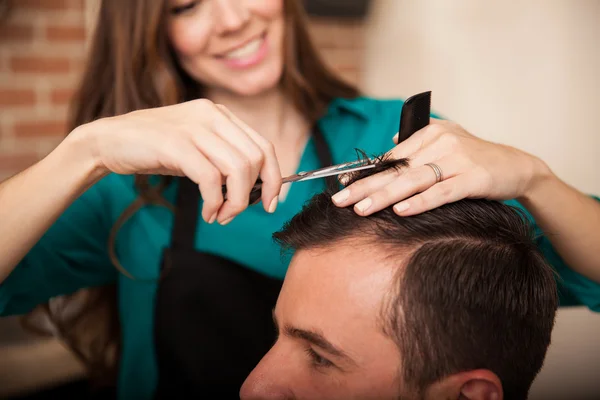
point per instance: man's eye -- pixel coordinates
(177, 10)
(318, 360)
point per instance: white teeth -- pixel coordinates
(245, 51)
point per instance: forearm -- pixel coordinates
(31, 201)
(570, 220)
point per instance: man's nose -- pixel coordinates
(267, 380)
(230, 15)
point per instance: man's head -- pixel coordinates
(455, 303)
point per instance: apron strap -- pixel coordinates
(187, 205)
(325, 157)
(186, 215)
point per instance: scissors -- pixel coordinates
(352, 166)
(414, 116)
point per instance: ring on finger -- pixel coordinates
(439, 175)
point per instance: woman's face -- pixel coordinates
(236, 45)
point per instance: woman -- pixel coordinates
(226, 91)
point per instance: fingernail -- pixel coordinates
(225, 222)
(396, 138)
(364, 205)
(340, 197)
(213, 218)
(400, 207)
(273, 205)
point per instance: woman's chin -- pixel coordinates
(255, 88)
(257, 82)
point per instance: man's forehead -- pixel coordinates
(339, 292)
(346, 272)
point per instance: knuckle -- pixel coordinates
(212, 177)
(435, 129)
(418, 201)
(268, 147)
(358, 187)
(388, 192)
(445, 189)
(419, 177)
(239, 165)
(462, 160)
(449, 140)
(256, 157)
(237, 205)
(204, 103)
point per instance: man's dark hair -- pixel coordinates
(472, 290)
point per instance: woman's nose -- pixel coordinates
(230, 15)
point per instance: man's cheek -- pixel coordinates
(323, 385)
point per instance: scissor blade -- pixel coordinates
(325, 173)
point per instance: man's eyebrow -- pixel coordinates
(315, 338)
(318, 340)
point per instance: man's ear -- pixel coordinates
(479, 384)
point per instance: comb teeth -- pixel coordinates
(415, 115)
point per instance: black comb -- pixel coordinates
(415, 115)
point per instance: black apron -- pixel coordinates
(213, 321)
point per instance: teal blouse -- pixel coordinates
(73, 253)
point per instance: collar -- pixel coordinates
(354, 106)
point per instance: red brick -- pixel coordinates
(39, 128)
(36, 64)
(16, 97)
(50, 4)
(15, 32)
(65, 33)
(15, 162)
(61, 96)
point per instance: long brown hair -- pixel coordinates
(130, 67)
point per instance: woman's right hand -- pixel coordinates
(198, 139)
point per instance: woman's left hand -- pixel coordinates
(470, 167)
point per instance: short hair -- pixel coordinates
(472, 290)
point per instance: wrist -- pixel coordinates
(82, 149)
(541, 179)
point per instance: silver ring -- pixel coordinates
(439, 175)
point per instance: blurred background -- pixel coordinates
(524, 73)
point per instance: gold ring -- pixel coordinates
(439, 176)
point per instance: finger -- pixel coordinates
(362, 188)
(431, 121)
(445, 192)
(270, 171)
(236, 169)
(418, 140)
(414, 180)
(235, 135)
(208, 178)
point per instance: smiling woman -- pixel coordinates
(247, 64)
(257, 59)
(181, 97)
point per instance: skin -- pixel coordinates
(332, 299)
(247, 128)
(203, 34)
(475, 168)
(338, 296)
(201, 139)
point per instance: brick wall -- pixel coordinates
(42, 48)
(41, 54)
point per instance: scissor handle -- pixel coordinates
(255, 193)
